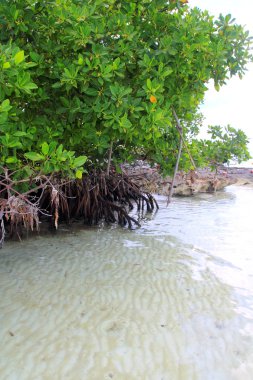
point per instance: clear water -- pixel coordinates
(172, 300)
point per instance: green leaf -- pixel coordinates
(48, 167)
(11, 160)
(79, 174)
(35, 57)
(14, 143)
(149, 84)
(91, 91)
(217, 87)
(6, 65)
(30, 64)
(5, 106)
(167, 72)
(3, 117)
(57, 85)
(59, 150)
(114, 90)
(79, 161)
(52, 146)
(19, 134)
(45, 148)
(30, 86)
(80, 59)
(19, 57)
(24, 83)
(33, 156)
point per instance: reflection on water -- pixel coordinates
(171, 300)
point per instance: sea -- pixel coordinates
(171, 300)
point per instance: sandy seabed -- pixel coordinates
(119, 304)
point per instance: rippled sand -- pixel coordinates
(118, 304)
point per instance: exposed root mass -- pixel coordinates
(96, 197)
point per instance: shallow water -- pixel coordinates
(172, 300)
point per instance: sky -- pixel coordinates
(233, 104)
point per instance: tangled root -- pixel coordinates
(96, 197)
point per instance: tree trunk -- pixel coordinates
(109, 159)
(178, 156)
(175, 171)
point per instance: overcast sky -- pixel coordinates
(233, 104)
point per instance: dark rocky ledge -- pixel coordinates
(187, 184)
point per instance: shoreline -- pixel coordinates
(188, 184)
(243, 176)
(149, 180)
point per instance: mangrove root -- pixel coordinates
(96, 197)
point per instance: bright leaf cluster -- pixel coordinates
(77, 76)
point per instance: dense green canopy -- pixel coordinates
(78, 77)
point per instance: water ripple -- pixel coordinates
(171, 300)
